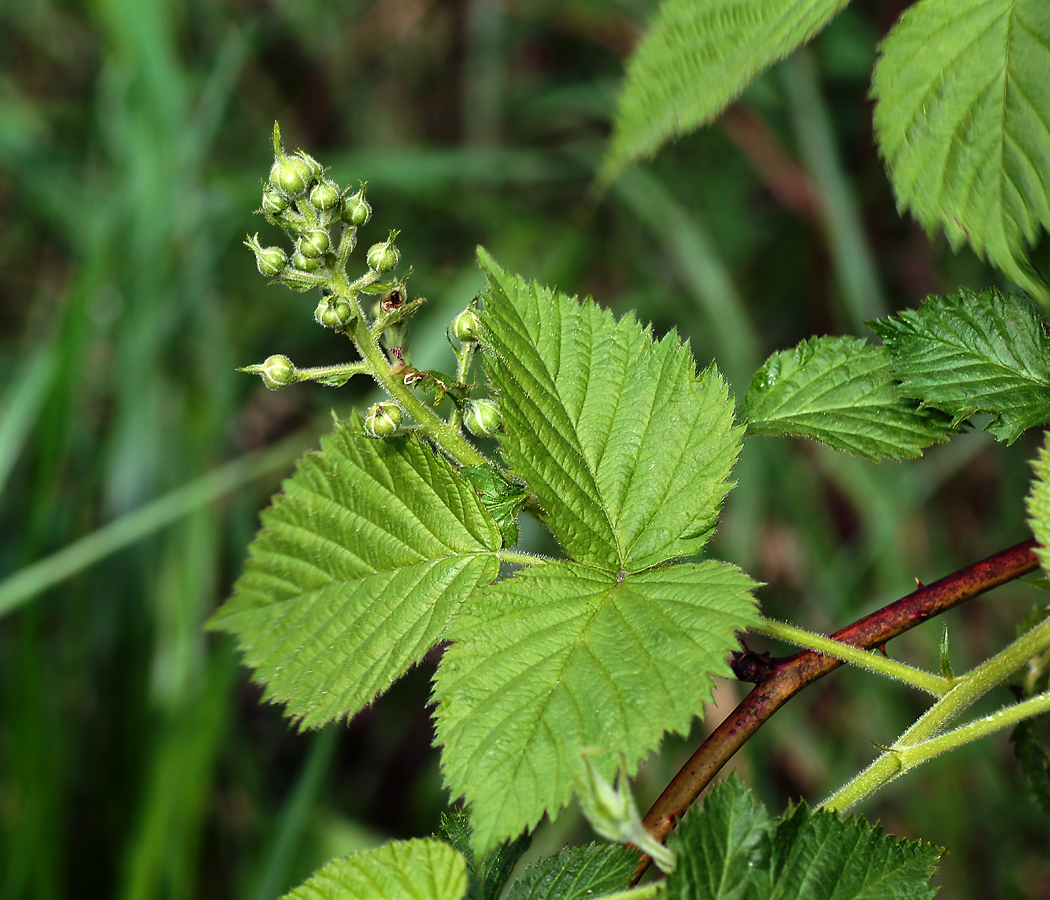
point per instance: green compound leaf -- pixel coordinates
(577, 873)
(400, 870)
(972, 353)
(962, 117)
(840, 391)
(729, 849)
(697, 56)
(562, 657)
(360, 564)
(626, 447)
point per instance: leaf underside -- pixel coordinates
(361, 562)
(730, 850)
(969, 353)
(841, 391)
(399, 870)
(696, 58)
(562, 657)
(627, 449)
(1038, 504)
(962, 117)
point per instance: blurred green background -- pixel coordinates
(135, 759)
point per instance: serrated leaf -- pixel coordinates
(564, 656)
(360, 564)
(962, 117)
(968, 353)
(1035, 762)
(487, 877)
(840, 391)
(626, 447)
(577, 873)
(399, 870)
(735, 851)
(718, 845)
(696, 57)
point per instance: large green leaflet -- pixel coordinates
(399, 870)
(840, 391)
(969, 353)
(360, 565)
(627, 449)
(962, 117)
(564, 656)
(697, 56)
(577, 873)
(728, 849)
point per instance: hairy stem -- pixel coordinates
(778, 680)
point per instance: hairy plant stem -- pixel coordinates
(923, 740)
(778, 680)
(431, 425)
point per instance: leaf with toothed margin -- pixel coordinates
(361, 562)
(626, 447)
(564, 656)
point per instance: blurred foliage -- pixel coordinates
(135, 761)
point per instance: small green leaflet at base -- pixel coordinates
(500, 497)
(696, 57)
(399, 870)
(577, 873)
(361, 562)
(728, 849)
(968, 353)
(488, 874)
(840, 391)
(1038, 503)
(564, 656)
(627, 449)
(962, 117)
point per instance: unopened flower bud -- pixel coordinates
(334, 312)
(383, 419)
(314, 243)
(270, 260)
(325, 195)
(383, 257)
(356, 210)
(277, 372)
(273, 202)
(482, 417)
(465, 326)
(306, 263)
(291, 174)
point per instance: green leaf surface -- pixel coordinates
(399, 870)
(696, 58)
(962, 118)
(1038, 503)
(562, 657)
(969, 353)
(500, 497)
(577, 873)
(360, 564)
(625, 446)
(840, 391)
(729, 849)
(487, 876)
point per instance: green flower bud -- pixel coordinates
(270, 260)
(306, 263)
(465, 326)
(325, 195)
(383, 419)
(277, 372)
(314, 243)
(383, 257)
(356, 210)
(482, 417)
(273, 202)
(334, 312)
(291, 175)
